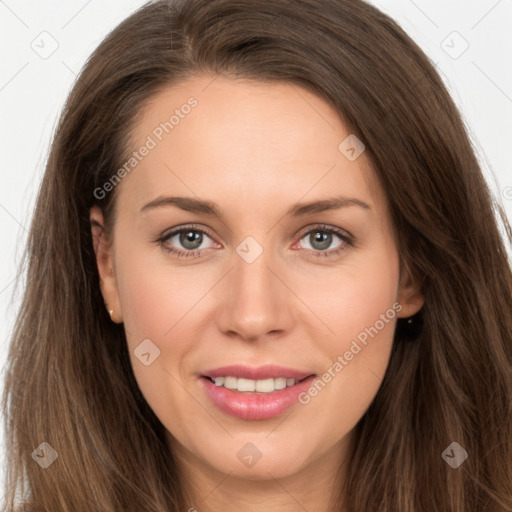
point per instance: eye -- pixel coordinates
(321, 238)
(189, 241)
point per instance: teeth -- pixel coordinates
(246, 385)
(230, 382)
(259, 386)
(280, 383)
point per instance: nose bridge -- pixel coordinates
(255, 300)
(254, 286)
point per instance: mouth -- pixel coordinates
(253, 386)
(255, 399)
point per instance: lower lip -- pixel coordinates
(255, 406)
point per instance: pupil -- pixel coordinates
(322, 239)
(190, 237)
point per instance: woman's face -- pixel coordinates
(259, 277)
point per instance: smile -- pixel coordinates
(254, 386)
(249, 399)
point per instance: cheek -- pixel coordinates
(360, 309)
(354, 295)
(161, 305)
(156, 298)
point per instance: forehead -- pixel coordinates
(241, 140)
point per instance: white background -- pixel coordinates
(33, 90)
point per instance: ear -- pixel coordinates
(105, 263)
(410, 294)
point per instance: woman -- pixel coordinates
(264, 271)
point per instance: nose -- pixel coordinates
(255, 301)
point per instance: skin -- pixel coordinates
(255, 149)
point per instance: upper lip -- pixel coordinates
(257, 373)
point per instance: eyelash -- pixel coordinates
(348, 240)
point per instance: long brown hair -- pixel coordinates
(69, 380)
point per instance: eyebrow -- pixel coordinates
(190, 204)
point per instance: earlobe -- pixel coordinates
(410, 293)
(104, 262)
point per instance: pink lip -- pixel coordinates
(260, 373)
(255, 406)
